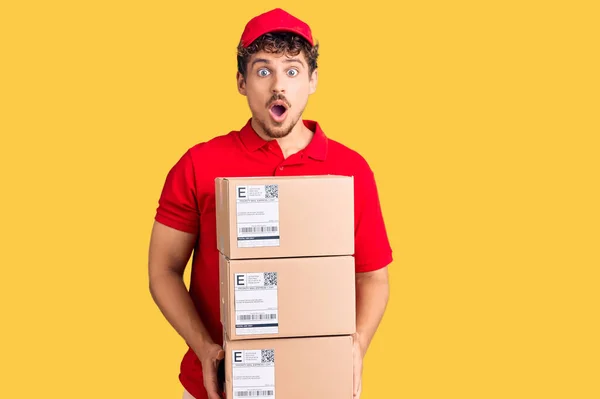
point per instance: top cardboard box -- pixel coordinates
(271, 217)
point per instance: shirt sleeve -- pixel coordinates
(177, 205)
(372, 246)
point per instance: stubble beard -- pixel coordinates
(279, 130)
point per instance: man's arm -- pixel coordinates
(170, 250)
(372, 293)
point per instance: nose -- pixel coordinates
(278, 84)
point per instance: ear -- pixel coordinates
(314, 77)
(241, 83)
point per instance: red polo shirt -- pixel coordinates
(187, 203)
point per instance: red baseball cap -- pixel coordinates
(276, 20)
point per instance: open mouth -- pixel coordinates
(278, 112)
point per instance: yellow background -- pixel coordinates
(480, 119)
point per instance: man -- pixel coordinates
(277, 72)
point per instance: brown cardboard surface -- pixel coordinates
(315, 217)
(314, 296)
(315, 368)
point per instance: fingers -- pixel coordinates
(213, 395)
(356, 387)
(357, 376)
(210, 380)
(357, 394)
(210, 384)
(209, 367)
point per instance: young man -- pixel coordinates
(277, 72)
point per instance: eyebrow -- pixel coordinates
(264, 60)
(294, 60)
(256, 61)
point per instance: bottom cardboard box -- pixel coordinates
(289, 368)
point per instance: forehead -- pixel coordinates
(263, 57)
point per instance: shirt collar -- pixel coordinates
(316, 149)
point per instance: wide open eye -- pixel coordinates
(293, 72)
(263, 72)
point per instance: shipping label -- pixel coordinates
(257, 208)
(256, 310)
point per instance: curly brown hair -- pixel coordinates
(278, 43)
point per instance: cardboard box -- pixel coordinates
(270, 217)
(287, 297)
(289, 368)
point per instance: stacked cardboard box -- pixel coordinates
(287, 285)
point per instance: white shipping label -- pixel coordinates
(257, 208)
(256, 310)
(253, 373)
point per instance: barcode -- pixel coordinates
(267, 355)
(254, 393)
(271, 191)
(258, 229)
(257, 316)
(270, 279)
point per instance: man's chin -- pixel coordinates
(276, 130)
(277, 133)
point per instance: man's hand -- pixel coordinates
(358, 362)
(210, 358)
